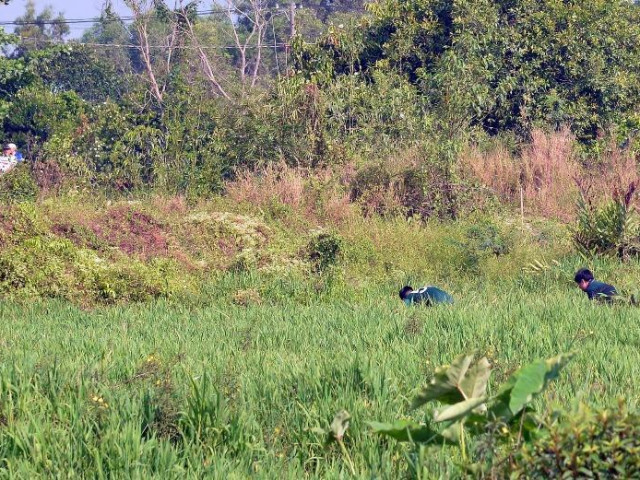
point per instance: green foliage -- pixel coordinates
(324, 251)
(462, 388)
(481, 240)
(52, 267)
(591, 444)
(37, 113)
(140, 390)
(205, 419)
(525, 384)
(38, 30)
(423, 76)
(611, 229)
(83, 71)
(113, 148)
(502, 65)
(21, 221)
(456, 383)
(18, 185)
(487, 237)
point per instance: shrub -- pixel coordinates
(612, 228)
(19, 222)
(38, 267)
(324, 251)
(18, 185)
(131, 281)
(603, 444)
(487, 238)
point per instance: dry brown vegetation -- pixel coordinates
(550, 173)
(317, 195)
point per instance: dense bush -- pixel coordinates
(604, 444)
(324, 251)
(505, 65)
(612, 228)
(18, 185)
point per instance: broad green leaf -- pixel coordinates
(458, 410)
(445, 385)
(525, 384)
(530, 381)
(406, 431)
(474, 384)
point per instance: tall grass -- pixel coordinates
(219, 389)
(550, 173)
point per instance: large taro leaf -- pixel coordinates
(406, 431)
(521, 388)
(456, 383)
(474, 383)
(474, 423)
(459, 410)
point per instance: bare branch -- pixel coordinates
(204, 60)
(141, 13)
(260, 24)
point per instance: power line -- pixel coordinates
(72, 44)
(183, 47)
(125, 18)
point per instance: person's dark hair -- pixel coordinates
(405, 291)
(583, 274)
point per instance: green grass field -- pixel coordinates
(215, 389)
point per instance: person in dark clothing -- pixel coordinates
(428, 295)
(593, 288)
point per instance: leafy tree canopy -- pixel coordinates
(504, 65)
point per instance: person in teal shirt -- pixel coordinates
(428, 295)
(594, 289)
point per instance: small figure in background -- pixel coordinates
(428, 295)
(7, 151)
(15, 152)
(593, 288)
(7, 160)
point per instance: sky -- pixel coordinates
(71, 9)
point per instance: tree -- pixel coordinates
(502, 65)
(38, 30)
(154, 21)
(111, 30)
(325, 9)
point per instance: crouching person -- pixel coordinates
(428, 295)
(594, 289)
